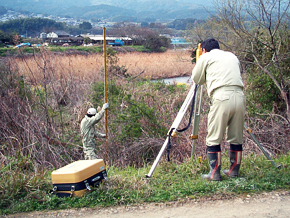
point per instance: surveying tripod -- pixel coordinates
(196, 106)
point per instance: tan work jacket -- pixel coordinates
(220, 70)
(217, 68)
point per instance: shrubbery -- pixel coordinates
(39, 129)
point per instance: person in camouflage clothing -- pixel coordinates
(89, 133)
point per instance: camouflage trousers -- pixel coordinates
(89, 152)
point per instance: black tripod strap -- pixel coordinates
(191, 111)
(184, 129)
(169, 144)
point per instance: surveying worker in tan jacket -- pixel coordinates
(89, 133)
(220, 70)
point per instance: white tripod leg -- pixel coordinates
(174, 126)
(260, 146)
(195, 126)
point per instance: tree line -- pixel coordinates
(148, 36)
(33, 26)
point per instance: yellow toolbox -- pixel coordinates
(78, 177)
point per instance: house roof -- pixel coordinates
(101, 37)
(69, 38)
(61, 32)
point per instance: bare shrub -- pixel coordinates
(272, 131)
(44, 97)
(36, 109)
(126, 147)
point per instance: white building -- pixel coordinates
(52, 35)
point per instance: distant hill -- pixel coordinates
(115, 10)
(54, 7)
(42, 4)
(155, 5)
(98, 11)
(3, 10)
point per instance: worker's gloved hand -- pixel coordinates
(105, 106)
(103, 135)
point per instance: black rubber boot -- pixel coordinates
(235, 159)
(214, 159)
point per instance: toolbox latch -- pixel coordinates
(54, 190)
(87, 185)
(72, 190)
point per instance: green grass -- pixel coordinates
(140, 48)
(170, 182)
(13, 51)
(93, 49)
(7, 51)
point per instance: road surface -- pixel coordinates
(266, 205)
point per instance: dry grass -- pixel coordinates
(157, 65)
(81, 67)
(90, 67)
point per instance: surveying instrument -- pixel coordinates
(192, 97)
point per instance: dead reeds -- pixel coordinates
(157, 65)
(90, 67)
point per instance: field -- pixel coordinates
(158, 65)
(145, 65)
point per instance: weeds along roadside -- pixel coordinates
(40, 132)
(171, 182)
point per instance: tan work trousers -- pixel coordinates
(226, 115)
